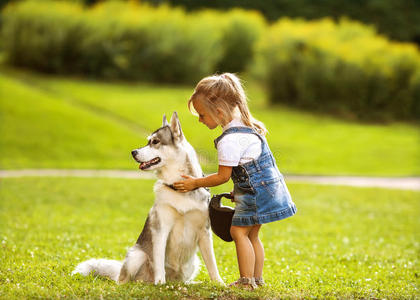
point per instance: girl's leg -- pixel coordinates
(244, 250)
(258, 250)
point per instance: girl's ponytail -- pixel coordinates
(242, 105)
(249, 120)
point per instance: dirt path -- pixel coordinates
(404, 183)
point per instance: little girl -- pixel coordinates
(260, 193)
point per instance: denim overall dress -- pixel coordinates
(261, 195)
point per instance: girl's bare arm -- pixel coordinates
(215, 179)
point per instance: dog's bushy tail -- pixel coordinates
(102, 267)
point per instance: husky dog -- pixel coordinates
(177, 224)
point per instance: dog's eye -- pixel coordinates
(154, 142)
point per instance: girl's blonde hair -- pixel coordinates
(225, 92)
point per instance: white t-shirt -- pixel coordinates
(237, 148)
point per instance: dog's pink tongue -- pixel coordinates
(140, 165)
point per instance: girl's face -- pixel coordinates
(203, 114)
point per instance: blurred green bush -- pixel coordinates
(396, 19)
(340, 67)
(343, 67)
(128, 40)
(240, 32)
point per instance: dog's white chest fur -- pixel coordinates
(181, 202)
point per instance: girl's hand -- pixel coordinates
(186, 185)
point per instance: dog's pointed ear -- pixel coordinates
(164, 121)
(176, 127)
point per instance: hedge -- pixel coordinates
(128, 40)
(322, 65)
(340, 67)
(398, 20)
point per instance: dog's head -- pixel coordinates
(162, 145)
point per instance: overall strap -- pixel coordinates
(240, 129)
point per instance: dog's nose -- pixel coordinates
(134, 153)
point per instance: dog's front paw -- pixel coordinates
(216, 277)
(160, 280)
(220, 281)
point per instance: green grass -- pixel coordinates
(39, 130)
(343, 242)
(78, 123)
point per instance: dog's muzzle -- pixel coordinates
(145, 164)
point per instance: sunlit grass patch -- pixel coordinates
(343, 242)
(75, 123)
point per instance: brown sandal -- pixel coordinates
(245, 282)
(259, 281)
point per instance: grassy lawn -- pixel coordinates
(343, 242)
(53, 122)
